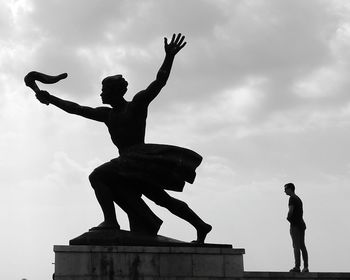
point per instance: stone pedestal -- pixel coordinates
(88, 262)
(256, 275)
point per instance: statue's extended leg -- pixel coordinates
(180, 209)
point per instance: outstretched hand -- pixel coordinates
(176, 44)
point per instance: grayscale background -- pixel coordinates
(261, 90)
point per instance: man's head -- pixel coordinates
(113, 88)
(289, 188)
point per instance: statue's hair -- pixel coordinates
(116, 81)
(290, 186)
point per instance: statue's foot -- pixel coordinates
(202, 233)
(107, 225)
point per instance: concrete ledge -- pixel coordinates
(146, 262)
(256, 275)
(113, 237)
(149, 249)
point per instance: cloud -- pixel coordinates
(5, 21)
(76, 23)
(260, 91)
(322, 83)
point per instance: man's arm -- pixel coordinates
(290, 213)
(146, 96)
(97, 114)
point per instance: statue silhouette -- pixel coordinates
(140, 169)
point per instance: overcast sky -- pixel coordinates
(261, 90)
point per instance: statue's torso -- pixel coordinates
(127, 125)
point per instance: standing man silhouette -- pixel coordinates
(297, 227)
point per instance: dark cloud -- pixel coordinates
(76, 23)
(281, 42)
(228, 42)
(276, 40)
(260, 91)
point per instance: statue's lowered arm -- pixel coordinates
(33, 76)
(98, 114)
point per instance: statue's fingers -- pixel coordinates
(177, 38)
(173, 38)
(181, 46)
(181, 40)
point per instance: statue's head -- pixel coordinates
(113, 88)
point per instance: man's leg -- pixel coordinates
(295, 234)
(178, 208)
(304, 251)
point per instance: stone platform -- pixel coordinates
(204, 262)
(295, 276)
(113, 237)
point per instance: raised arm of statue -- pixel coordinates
(98, 114)
(171, 49)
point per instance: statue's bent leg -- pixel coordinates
(105, 199)
(110, 188)
(180, 209)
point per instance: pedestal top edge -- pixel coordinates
(148, 249)
(288, 275)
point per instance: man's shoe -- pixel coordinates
(305, 269)
(295, 269)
